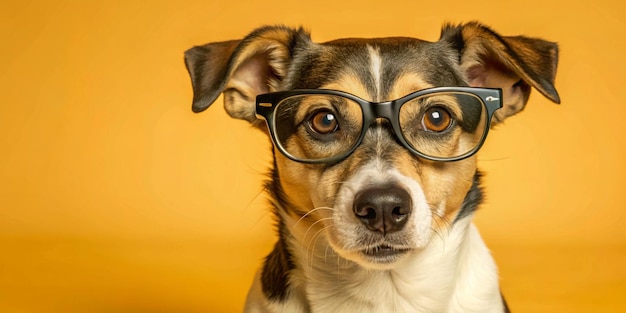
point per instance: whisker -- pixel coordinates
(312, 225)
(311, 212)
(446, 221)
(326, 253)
(437, 233)
(311, 247)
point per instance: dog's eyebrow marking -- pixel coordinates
(376, 70)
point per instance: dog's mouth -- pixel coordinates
(384, 253)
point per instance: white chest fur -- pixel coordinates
(454, 273)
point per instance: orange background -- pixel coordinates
(114, 197)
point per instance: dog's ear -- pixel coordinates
(242, 69)
(514, 64)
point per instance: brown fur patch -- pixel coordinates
(350, 83)
(408, 83)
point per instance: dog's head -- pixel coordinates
(384, 159)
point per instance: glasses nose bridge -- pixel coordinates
(382, 110)
(386, 110)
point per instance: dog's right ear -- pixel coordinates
(242, 69)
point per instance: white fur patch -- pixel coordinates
(376, 70)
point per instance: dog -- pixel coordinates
(374, 181)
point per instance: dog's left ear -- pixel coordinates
(514, 64)
(242, 69)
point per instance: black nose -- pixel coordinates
(383, 209)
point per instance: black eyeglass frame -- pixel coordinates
(266, 104)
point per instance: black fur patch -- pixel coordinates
(275, 274)
(473, 198)
(472, 113)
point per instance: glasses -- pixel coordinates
(325, 126)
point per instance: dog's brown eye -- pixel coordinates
(323, 122)
(436, 119)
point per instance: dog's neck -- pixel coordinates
(436, 279)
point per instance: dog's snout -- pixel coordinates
(383, 209)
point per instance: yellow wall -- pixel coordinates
(115, 197)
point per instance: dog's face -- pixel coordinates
(381, 201)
